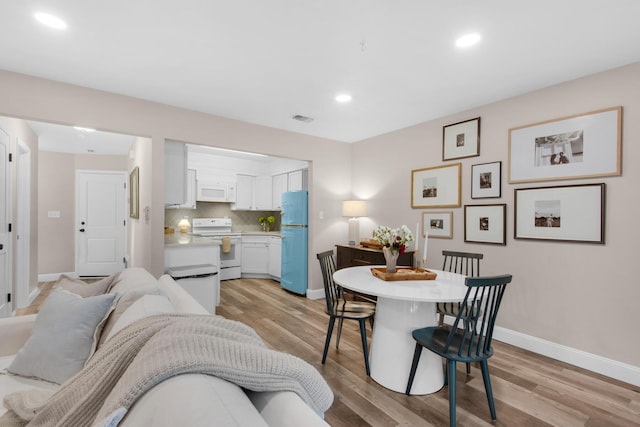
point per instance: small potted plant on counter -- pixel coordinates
(266, 222)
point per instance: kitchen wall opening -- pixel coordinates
(220, 183)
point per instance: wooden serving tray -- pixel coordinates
(404, 273)
(370, 244)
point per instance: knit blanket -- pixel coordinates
(154, 349)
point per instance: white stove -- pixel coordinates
(207, 227)
(231, 255)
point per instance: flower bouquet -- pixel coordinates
(393, 241)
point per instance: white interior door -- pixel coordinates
(100, 222)
(5, 239)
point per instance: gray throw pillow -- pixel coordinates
(63, 337)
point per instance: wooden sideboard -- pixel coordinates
(351, 256)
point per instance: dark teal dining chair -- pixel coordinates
(338, 307)
(466, 263)
(469, 339)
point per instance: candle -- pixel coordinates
(415, 255)
(424, 254)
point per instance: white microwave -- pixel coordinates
(207, 192)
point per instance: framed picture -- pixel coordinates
(571, 213)
(486, 180)
(461, 140)
(485, 224)
(438, 224)
(134, 185)
(581, 146)
(436, 187)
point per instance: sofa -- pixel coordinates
(134, 296)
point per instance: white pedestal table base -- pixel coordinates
(392, 347)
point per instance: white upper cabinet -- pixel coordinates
(244, 192)
(190, 202)
(280, 185)
(298, 180)
(262, 193)
(175, 173)
(253, 193)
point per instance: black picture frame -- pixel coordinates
(461, 140)
(568, 213)
(486, 224)
(486, 180)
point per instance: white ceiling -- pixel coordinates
(66, 139)
(265, 61)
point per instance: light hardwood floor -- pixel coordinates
(529, 390)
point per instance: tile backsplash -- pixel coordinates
(242, 220)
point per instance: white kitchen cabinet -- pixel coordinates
(244, 192)
(262, 193)
(275, 256)
(175, 173)
(255, 255)
(190, 202)
(253, 193)
(298, 180)
(280, 185)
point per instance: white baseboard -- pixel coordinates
(592, 362)
(33, 294)
(315, 293)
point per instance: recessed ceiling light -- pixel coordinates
(343, 97)
(468, 40)
(50, 20)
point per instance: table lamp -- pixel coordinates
(184, 225)
(354, 209)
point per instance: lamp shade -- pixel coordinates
(184, 225)
(354, 208)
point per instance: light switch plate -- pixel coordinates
(53, 214)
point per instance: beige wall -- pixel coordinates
(583, 296)
(57, 192)
(139, 228)
(30, 98)
(576, 295)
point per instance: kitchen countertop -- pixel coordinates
(261, 233)
(179, 239)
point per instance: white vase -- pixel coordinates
(390, 258)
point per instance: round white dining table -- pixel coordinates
(403, 306)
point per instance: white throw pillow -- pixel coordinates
(145, 306)
(124, 302)
(83, 288)
(63, 337)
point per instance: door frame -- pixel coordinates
(7, 307)
(22, 284)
